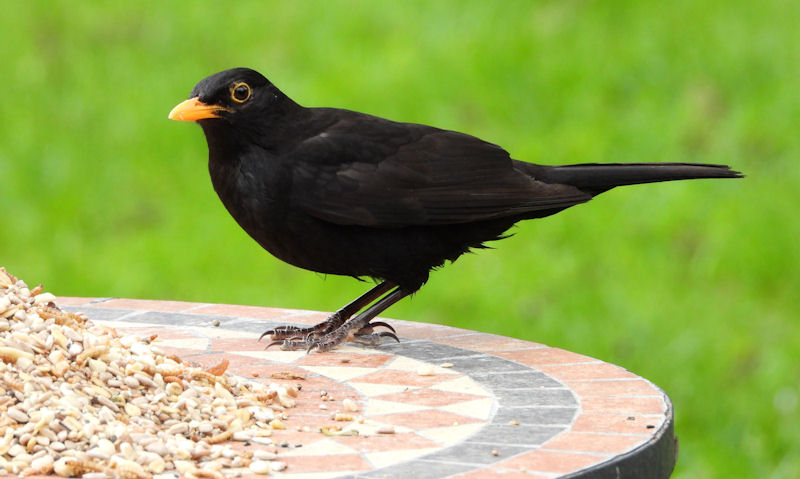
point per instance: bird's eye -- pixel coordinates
(240, 92)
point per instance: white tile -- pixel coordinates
(274, 355)
(402, 363)
(377, 389)
(462, 384)
(370, 428)
(340, 373)
(451, 434)
(478, 408)
(377, 407)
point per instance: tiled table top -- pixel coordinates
(502, 407)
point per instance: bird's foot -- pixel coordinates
(348, 332)
(281, 333)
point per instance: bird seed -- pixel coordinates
(82, 400)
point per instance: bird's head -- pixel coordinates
(235, 95)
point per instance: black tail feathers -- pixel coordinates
(598, 177)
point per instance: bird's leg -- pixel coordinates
(333, 321)
(359, 329)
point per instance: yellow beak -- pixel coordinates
(193, 109)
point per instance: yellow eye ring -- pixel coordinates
(240, 92)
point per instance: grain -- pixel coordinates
(86, 401)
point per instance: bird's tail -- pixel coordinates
(599, 177)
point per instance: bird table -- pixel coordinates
(444, 402)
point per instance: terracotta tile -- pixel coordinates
(298, 419)
(617, 423)
(635, 387)
(387, 442)
(238, 344)
(327, 463)
(263, 370)
(550, 461)
(284, 374)
(495, 473)
(593, 442)
(73, 301)
(631, 406)
(334, 358)
(429, 397)
(405, 378)
(146, 305)
(340, 373)
(307, 412)
(310, 404)
(545, 356)
(424, 419)
(337, 389)
(160, 332)
(598, 370)
(256, 312)
(487, 342)
(339, 395)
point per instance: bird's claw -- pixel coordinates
(381, 323)
(282, 332)
(292, 338)
(333, 322)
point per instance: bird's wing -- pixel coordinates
(385, 174)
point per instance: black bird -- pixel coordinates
(341, 192)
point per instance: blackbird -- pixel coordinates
(347, 193)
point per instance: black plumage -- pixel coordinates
(341, 192)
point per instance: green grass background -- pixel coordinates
(693, 285)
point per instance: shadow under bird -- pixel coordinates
(341, 192)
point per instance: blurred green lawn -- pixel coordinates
(694, 285)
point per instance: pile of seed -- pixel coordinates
(79, 399)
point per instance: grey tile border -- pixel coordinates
(549, 395)
(535, 415)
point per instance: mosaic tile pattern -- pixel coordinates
(505, 408)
